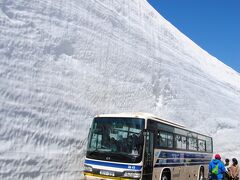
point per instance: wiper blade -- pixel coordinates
(92, 152)
(121, 155)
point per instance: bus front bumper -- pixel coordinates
(91, 176)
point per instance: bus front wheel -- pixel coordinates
(165, 176)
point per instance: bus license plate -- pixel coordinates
(107, 173)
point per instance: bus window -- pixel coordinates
(121, 139)
(184, 142)
(192, 144)
(180, 142)
(209, 144)
(165, 139)
(170, 140)
(201, 145)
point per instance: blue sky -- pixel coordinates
(212, 24)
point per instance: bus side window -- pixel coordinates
(209, 144)
(164, 139)
(170, 140)
(180, 142)
(192, 143)
(201, 145)
(184, 142)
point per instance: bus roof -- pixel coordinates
(148, 116)
(142, 115)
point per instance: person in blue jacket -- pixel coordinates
(216, 168)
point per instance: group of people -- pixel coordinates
(220, 171)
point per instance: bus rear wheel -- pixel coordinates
(201, 174)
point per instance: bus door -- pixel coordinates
(148, 157)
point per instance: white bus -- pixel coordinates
(142, 146)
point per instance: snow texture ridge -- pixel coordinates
(62, 62)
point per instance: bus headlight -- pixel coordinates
(132, 174)
(87, 168)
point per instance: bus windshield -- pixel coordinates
(116, 139)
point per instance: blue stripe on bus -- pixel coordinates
(108, 164)
(179, 164)
(182, 161)
(169, 159)
(166, 154)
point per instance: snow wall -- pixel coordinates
(62, 62)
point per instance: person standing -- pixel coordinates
(216, 168)
(227, 166)
(234, 170)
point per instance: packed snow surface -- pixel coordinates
(62, 62)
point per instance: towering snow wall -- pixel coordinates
(62, 62)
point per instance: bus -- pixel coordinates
(141, 146)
